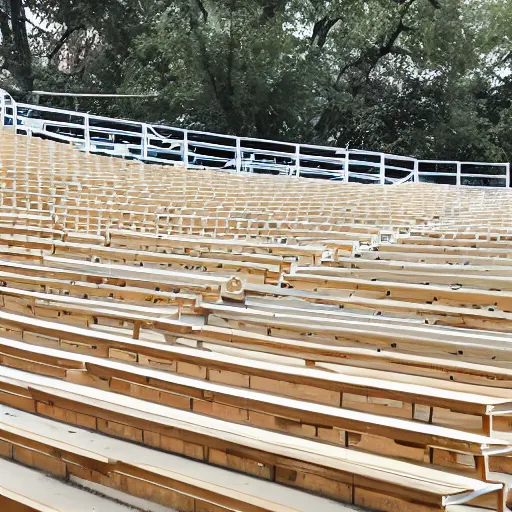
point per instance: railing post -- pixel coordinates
(507, 176)
(459, 169)
(346, 166)
(3, 108)
(144, 141)
(416, 172)
(382, 170)
(14, 116)
(238, 155)
(297, 160)
(252, 158)
(87, 133)
(185, 148)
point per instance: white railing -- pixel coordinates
(195, 149)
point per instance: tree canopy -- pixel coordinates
(429, 78)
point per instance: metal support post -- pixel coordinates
(144, 141)
(87, 133)
(238, 155)
(382, 170)
(297, 160)
(185, 148)
(2, 104)
(346, 165)
(14, 116)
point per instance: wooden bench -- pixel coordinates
(465, 317)
(338, 473)
(74, 461)
(313, 337)
(121, 276)
(248, 407)
(429, 400)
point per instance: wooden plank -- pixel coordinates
(227, 432)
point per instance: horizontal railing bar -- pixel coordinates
(488, 176)
(404, 169)
(95, 95)
(388, 156)
(51, 109)
(210, 134)
(163, 127)
(114, 131)
(364, 176)
(231, 149)
(267, 152)
(453, 174)
(198, 156)
(45, 122)
(485, 163)
(267, 141)
(452, 162)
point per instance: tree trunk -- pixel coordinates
(16, 50)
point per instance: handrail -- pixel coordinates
(199, 149)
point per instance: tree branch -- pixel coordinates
(203, 10)
(507, 57)
(4, 27)
(63, 38)
(37, 27)
(321, 30)
(271, 8)
(371, 56)
(203, 51)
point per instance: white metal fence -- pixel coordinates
(195, 149)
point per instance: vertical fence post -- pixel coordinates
(297, 160)
(346, 164)
(382, 170)
(507, 175)
(2, 106)
(459, 169)
(185, 148)
(416, 171)
(144, 141)
(87, 133)
(238, 155)
(14, 115)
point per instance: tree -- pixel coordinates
(242, 69)
(430, 78)
(15, 50)
(62, 44)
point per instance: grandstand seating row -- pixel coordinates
(199, 341)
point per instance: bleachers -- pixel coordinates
(200, 341)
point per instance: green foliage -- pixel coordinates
(430, 78)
